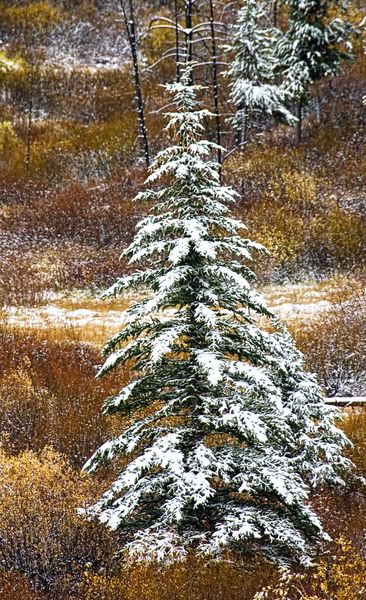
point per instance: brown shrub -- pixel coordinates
(16, 587)
(49, 395)
(32, 21)
(354, 426)
(338, 355)
(42, 535)
(27, 277)
(22, 282)
(64, 96)
(15, 189)
(98, 215)
(64, 151)
(302, 224)
(60, 240)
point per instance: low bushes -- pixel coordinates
(309, 223)
(355, 427)
(192, 579)
(338, 355)
(340, 576)
(57, 240)
(32, 21)
(97, 215)
(49, 395)
(14, 586)
(25, 280)
(43, 538)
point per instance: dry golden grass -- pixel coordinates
(98, 304)
(92, 334)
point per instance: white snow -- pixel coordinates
(289, 310)
(52, 315)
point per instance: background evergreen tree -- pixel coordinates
(313, 47)
(227, 433)
(252, 72)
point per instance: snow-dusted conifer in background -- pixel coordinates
(313, 47)
(227, 432)
(253, 89)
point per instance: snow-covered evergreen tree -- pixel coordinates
(253, 89)
(313, 46)
(227, 432)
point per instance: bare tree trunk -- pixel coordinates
(244, 131)
(131, 34)
(215, 82)
(299, 121)
(188, 4)
(318, 106)
(241, 132)
(275, 13)
(238, 137)
(29, 124)
(176, 18)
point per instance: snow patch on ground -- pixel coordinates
(52, 315)
(84, 44)
(289, 311)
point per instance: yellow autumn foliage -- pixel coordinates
(194, 578)
(43, 537)
(34, 18)
(341, 577)
(10, 64)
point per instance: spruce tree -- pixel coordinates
(313, 47)
(228, 433)
(252, 72)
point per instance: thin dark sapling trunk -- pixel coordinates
(176, 19)
(130, 26)
(215, 81)
(188, 5)
(29, 123)
(299, 105)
